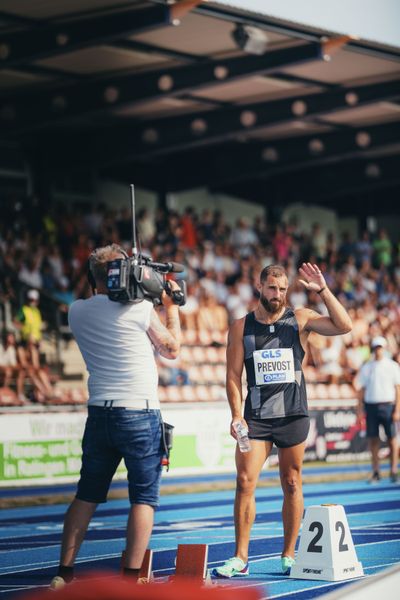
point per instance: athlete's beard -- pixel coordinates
(272, 307)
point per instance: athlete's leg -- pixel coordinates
(248, 465)
(290, 465)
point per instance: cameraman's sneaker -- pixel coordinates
(287, 563)
(233, 567)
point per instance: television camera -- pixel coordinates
(135, 278)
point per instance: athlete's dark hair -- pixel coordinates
(274, 270)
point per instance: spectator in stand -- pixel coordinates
(281, 244)
(359, 292)
(146, 228)
(206, 226)
(42, 389)
(297, 295)
(235, 305)
(245, 288)
(382, 250)
(63, 293)
(49, 282)
(173, 371)
(355, 353)
(346, 248)
(189, 237)
(93, 221)
(330, 357)
(331, 248)
(243, 237)
(378, 383)
(29, 322)
(123, 226)
(318, 242)
(189, 311)
(212, 318)
(82, 250)
(261, 230)
(221, 229)
(30, 272)
(363, 249)
(9, 366)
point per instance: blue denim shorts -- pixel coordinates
(113, 434)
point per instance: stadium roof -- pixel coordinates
(188, 94)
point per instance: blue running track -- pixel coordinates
(30, 537)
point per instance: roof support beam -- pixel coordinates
(249, 161)
(170, 135)
(63, 103)
(65, 36)
(228, 164)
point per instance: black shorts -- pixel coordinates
(283, 432)
(380, 414)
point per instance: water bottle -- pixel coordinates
(242, 436)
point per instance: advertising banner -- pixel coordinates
(46, 448)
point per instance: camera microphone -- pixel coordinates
(169, 267)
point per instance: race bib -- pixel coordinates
(275, 365)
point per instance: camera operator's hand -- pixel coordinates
(167, 298)
(167, 338)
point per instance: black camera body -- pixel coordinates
(130, 281)
(135, 278)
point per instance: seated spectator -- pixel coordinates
(212, 317)
(243, 237)
(330, 359)
(189, 311)
(353, 357)
(297, 295)
(173, 372)
(9, 366)
(42, 389)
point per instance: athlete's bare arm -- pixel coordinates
(166, 338)
(234, 370)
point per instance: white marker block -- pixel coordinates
(326, 550)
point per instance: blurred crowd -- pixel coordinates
(48, 251)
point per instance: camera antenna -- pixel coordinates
(134, 248)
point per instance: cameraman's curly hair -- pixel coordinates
(99, 258)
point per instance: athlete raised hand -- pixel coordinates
(312, 278)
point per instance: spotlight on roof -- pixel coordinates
(250, 39)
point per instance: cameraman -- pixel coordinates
(124, 419)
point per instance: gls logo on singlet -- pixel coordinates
(271, 353)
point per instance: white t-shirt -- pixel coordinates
(119, 357)
(8, 356)
(379, 378)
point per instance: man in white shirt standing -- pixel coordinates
(378, 382)
(124, 420)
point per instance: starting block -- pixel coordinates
(146, 568)
(191, 562)
(326, 550)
